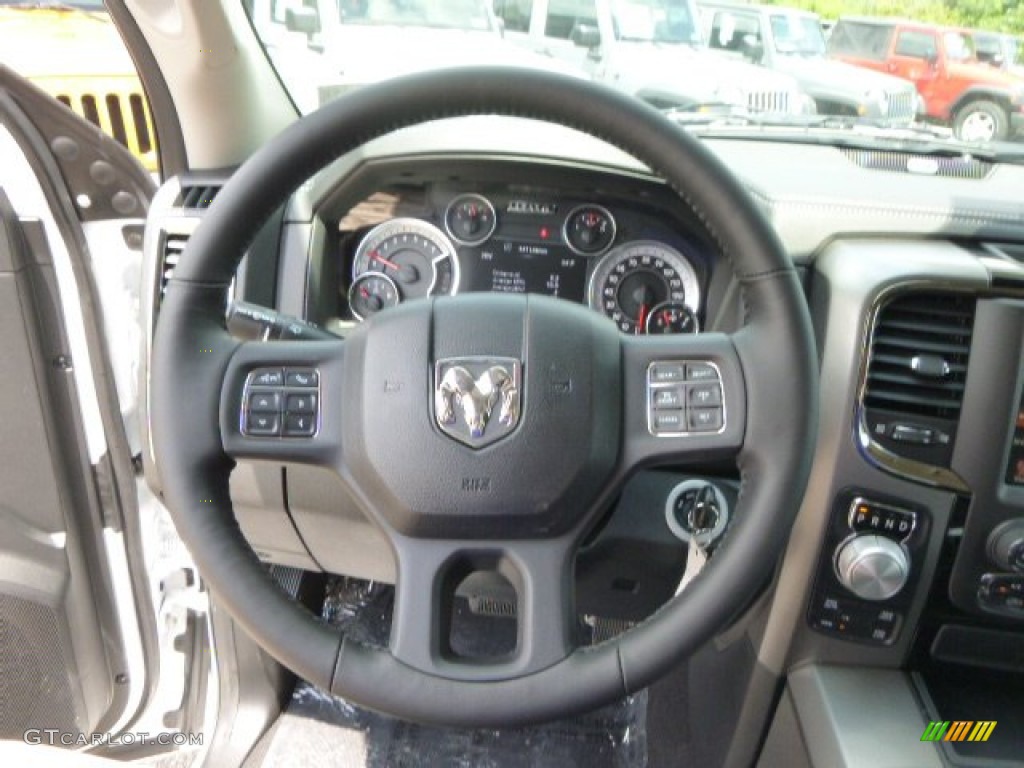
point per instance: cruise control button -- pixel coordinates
(668, 397)
(302, 377)
(267, 377)
(299, 425)
(701, 372)
(705, 419)
(704, 395)
(264, 402)
(669, 421)
(301, 404)
(263, 424)
(666, 372)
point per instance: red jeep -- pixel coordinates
(981, 103)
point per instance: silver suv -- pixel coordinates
(791, 41)
(652, 49)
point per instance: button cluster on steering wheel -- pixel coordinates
(281, 403)
(684, 397)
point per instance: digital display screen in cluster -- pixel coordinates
(515, 267)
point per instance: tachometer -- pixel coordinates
(415, 254)
(634, 278)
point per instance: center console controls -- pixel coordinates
(872, 554)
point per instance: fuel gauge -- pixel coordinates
(370, 293)
(671, 317)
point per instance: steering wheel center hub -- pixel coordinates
(484, 416)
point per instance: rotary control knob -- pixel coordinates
(872, 567)
(1006, 545)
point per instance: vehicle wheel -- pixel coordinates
(981, 121)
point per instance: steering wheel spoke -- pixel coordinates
(428, 599)
(684, 399)
(281, 401)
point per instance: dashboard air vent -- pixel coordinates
(173, 247)
(916, 374)
(958, 167)
(198, 197)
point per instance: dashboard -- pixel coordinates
(916, 291)
(621, 246)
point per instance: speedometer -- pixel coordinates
(632, 279)
(415, 254)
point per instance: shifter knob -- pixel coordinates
(872, 567)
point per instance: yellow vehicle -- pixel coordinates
(74, 52)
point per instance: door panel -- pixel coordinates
(50, 621)
(76, 645)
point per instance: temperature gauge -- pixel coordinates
(671, 317)
(370, 293)
(470, 219)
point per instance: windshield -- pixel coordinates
(659, 21)
(721, 64)
(436, 14)
(798, 34)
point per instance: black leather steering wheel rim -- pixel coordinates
(192, 354)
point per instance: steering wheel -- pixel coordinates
(568, 401)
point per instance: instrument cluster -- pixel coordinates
(620, 264)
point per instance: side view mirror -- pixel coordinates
(305, 20)
(585, 36)
(933, 60)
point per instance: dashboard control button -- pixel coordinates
(668, 397)
(302, 377)
(664, 373)
(301, 403)
(872, 567)
(266, 377)
(701, 372)
(264, 402)
(669, 421)
(299, 425)
(705, 419)
(704, 395)
(262, 425)
(911, 433)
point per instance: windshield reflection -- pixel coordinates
(655, 21)
(442, 14)
(798, 34)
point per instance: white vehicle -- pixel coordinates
(371, 40)
(652, 49)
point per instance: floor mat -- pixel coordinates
(322, 731)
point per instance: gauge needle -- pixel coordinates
(363, 292)
(641, 319)
(377, 257)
